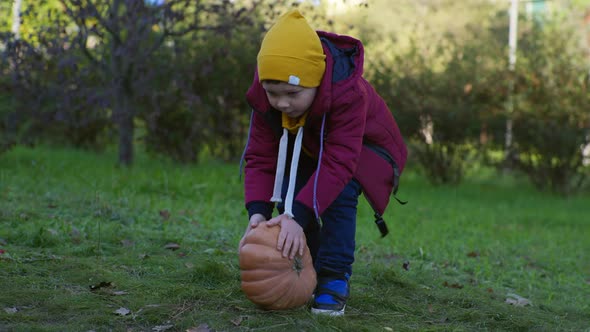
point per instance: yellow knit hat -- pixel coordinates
(292, 52)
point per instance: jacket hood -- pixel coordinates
(344, 65)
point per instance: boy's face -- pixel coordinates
(290, 99)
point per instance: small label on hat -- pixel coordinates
(294, 80)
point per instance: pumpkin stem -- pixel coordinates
(298, 264)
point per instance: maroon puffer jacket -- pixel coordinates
(360, 135)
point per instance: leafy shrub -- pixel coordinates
(198, 103)
(173, 127)
(551, 118)
(55, 94)
(444, 107)
(7, 135)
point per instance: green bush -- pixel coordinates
(551, 117)
(445, 107)
(55, 95)
(7, 135)
(198, 102)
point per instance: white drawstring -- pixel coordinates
(280, 172)
(293, 173)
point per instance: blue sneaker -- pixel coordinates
(331, 294)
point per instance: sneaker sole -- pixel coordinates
(333, 313)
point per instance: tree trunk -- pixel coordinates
(509, 152)
(124, 119)
(16, 6)
(123, 112)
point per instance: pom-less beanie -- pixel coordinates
(292, 52)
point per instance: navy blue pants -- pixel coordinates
(332, 244)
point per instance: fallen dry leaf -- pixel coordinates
(102, 284)
(172, 246)
(237, 321)
(189, 265)
(406, 265)
(11, 310)
(467, 88)
(473, 254)
(165, 214)
(200, 328)
(123, 311)
(119, 293)
(454, 285)
(75, 235)
(442, 320)
(517, 300)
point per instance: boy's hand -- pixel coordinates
(291, 238)
(254, 221)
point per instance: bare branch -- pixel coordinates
(112, 30)
(83, 43)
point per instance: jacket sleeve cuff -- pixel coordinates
(303, 214)
(264, 208)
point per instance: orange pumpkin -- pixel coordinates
(270, 280)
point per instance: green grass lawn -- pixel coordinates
(71, 221)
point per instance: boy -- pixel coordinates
(319, 136)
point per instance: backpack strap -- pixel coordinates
(396, 184)
(379, 221)
(381, 225)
